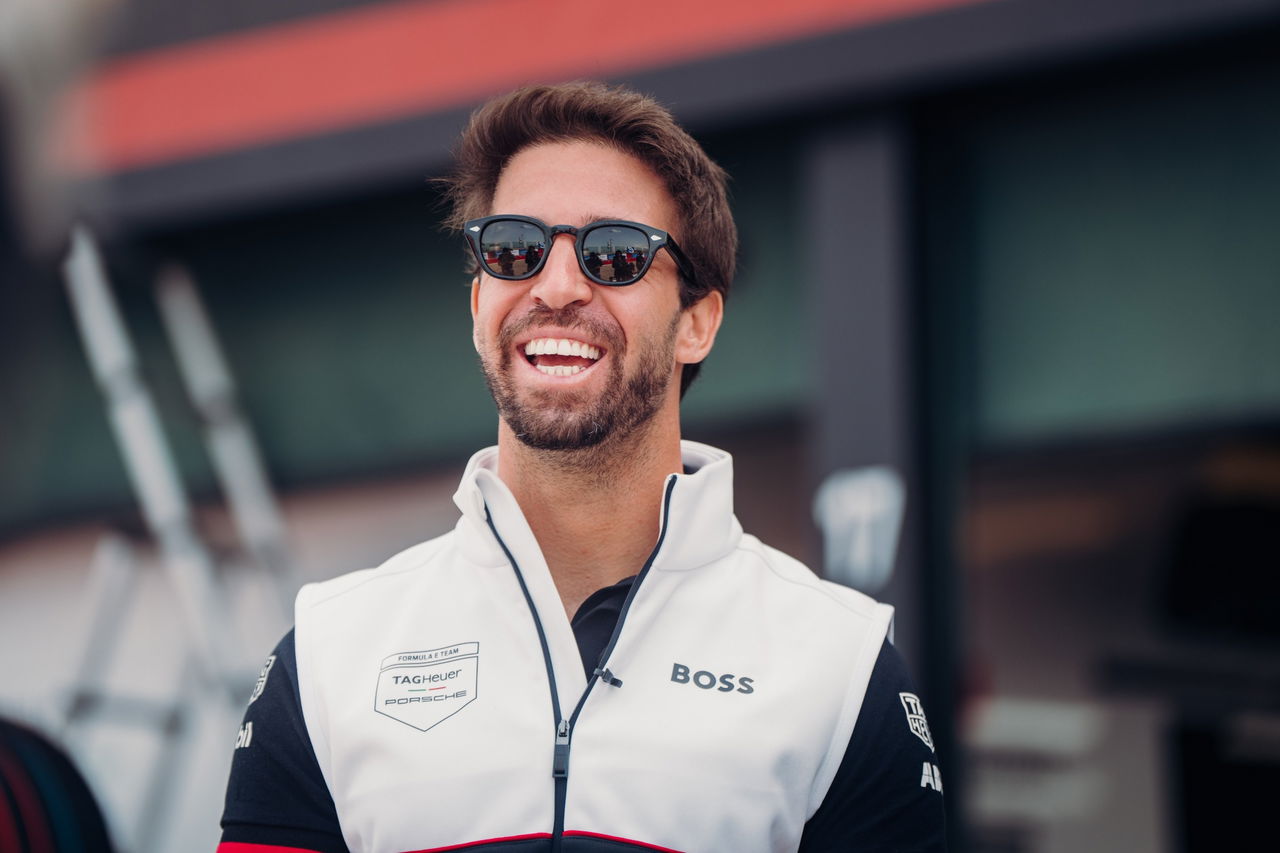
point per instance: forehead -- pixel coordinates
(572, 183)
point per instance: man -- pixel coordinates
(596, 658)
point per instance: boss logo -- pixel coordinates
(726, 683)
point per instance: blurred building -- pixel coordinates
(1022, 252)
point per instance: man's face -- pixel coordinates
(620, 365)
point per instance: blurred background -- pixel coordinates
(1017, 260)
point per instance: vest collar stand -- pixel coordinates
(700, 523)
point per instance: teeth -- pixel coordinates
(561, 346)
(563, 370)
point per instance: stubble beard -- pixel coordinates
(571, 420)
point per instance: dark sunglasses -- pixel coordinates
(613, 252)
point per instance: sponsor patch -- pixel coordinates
(915, 718)
(424, 688)
(262, 679)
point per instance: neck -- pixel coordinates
(595, 512)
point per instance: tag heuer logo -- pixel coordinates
(423, 689)
(915, 718)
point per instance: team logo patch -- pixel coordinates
(915, 718)
(262, 680)
(423, 689)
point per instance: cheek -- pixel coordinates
(484, 333)
(649, 315)
(488, 311)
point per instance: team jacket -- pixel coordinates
(446, 704)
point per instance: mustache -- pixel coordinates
(567, 318)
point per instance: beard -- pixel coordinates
(579, 419)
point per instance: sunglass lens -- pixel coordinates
(511, 247)
(616, 254)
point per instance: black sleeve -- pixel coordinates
(887, 793)
(276, 794)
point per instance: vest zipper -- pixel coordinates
(564, 727)
(560, 773)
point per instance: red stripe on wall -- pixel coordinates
(404, 58)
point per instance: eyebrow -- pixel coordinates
(587, 219)
(599, 217)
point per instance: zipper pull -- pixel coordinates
(608, 677)
(560, 762)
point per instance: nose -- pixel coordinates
(560, 282)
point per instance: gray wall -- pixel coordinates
(1124, 257)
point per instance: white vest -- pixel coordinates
(425, 686)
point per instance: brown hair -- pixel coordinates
(623, 119)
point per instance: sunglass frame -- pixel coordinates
(474, 229)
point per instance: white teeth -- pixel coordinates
(561, 346)
(563, 370)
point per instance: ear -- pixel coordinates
(475, 308)
(697, 328)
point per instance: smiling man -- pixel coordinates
(597, 658)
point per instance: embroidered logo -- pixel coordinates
(423, 689)
(262, 680)
(915, 718)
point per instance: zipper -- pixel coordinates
(564, 727)
(560, 775)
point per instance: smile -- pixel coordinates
(560, 356)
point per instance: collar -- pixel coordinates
(698, 518)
